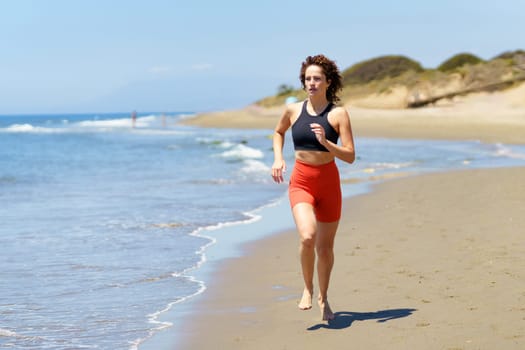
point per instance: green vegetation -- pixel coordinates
(511, 55)
(458, 61)
(460, 74)
(379, 68)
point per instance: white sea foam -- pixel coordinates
(144, 125)
(240, 152)
(256, 168)
(378, 167)
(141, 122)
(161, 132)
(7, 333)
(27, 128)
(153, 318)
(226, 144)
(186, 116)
(385, 165)
(252, 217)
(215, 142)
(505, 151)
(110, 123)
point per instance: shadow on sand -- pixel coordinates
(344, 319)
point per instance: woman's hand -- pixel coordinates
(319, 133)
(278, 169)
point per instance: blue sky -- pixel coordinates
(61, 56)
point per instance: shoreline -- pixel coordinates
(273, 220)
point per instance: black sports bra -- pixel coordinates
(304, 138)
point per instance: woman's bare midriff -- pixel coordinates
(314, 157)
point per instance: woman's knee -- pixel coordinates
(324, 252)
(308, 241)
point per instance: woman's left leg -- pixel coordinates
(324, 246)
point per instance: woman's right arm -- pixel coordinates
(279, 165)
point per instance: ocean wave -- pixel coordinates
(501, 150)
(241, 152)
(215, 142)
(382, 166)
(148, 125)
(386, 165)
(8, 333)
(184, 116)
(251, 217)
(255, 171)
(161, 132)
(28, 128)
(141, 122)
(252, 166)
(219, 181)
(226, 144)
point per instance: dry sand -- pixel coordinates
(435, 261)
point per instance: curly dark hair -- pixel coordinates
(330, 70)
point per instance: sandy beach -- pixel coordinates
(435, 261)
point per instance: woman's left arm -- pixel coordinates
(346, 151)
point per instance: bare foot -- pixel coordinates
(306, 300)
(326, 311)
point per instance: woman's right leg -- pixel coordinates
(306, 223)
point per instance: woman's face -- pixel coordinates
(315, 81)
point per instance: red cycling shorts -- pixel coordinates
(318, 185)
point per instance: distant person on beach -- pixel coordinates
(133, 118)
(314, 189)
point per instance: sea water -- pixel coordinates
(105, 224)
